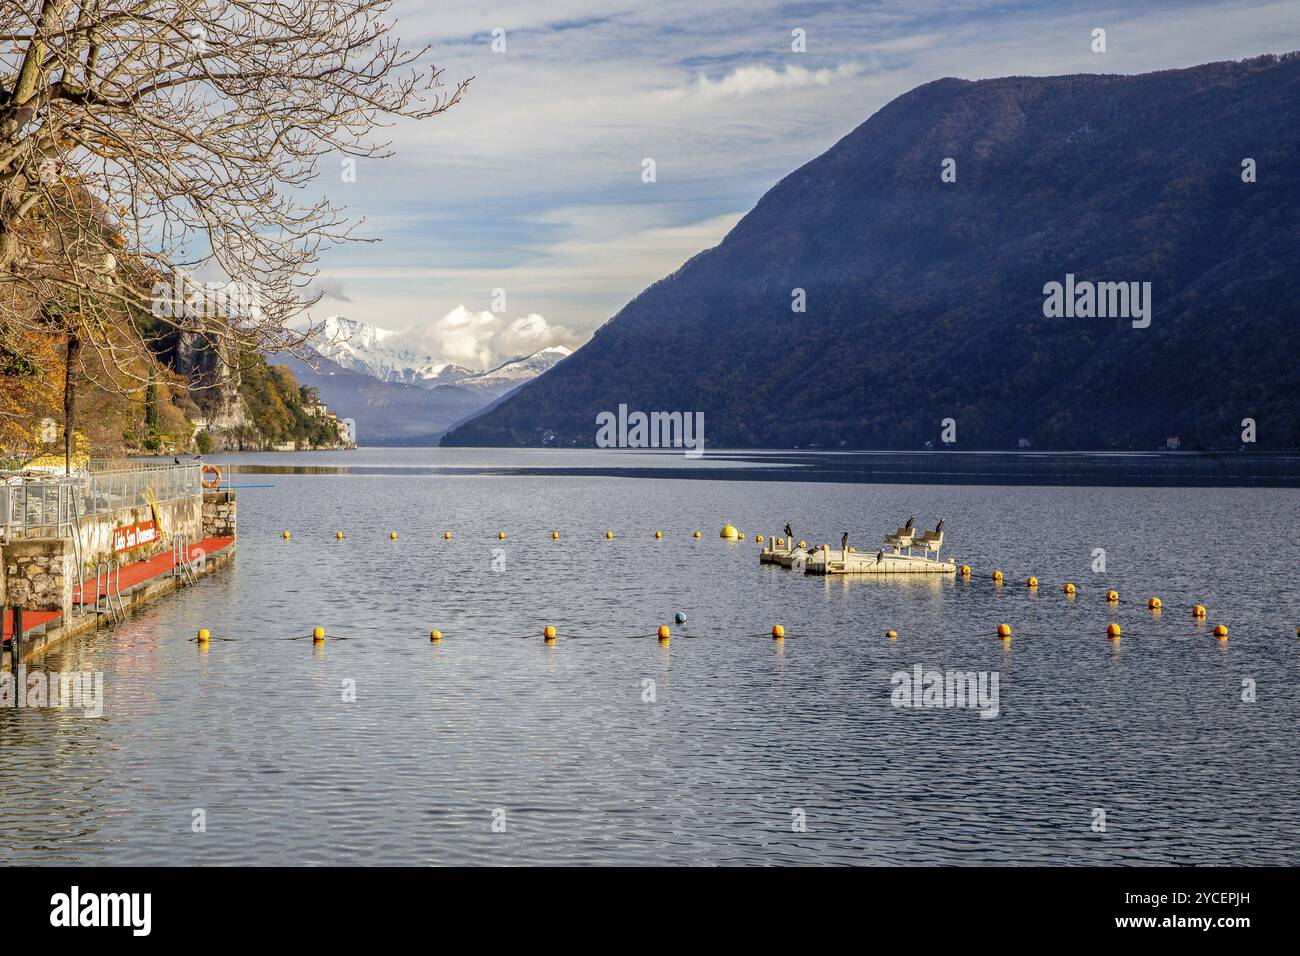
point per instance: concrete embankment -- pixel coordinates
(96, 569)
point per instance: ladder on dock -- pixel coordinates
(183, 566)
(108, 594)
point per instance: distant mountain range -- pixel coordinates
(370, 350)
(906, 277)
(396, 396)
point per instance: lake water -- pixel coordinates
(751, 751)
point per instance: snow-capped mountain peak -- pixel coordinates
(370, 350)
(522, 369)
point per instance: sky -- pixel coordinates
(534, 183)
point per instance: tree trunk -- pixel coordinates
(70, 398)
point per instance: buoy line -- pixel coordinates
(966, 578)
(595, 637)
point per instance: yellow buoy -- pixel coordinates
(1221, 631)
(1112, 630)
(446, 536)
(501, 535)
(609, 535)
(1032, 582)
(286, 536)
(997, 576)
(1004, 631)
(658, 535)
(435, 636)
(1198, 611)
(729, 532)
(697, 534)
(892, 635)
(1068, 588)
(318, 635)
(759, 539)
(663, 633)
(338, 535)
(392, 536)
(549, 633)
(203, 635)
(555, 536)
(1112, 597)
(1153, 603)
(802, 544)
(740, 536)
(778, 632)
(965, 570)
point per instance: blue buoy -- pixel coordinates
(679, 617)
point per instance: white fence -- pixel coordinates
(43, 506)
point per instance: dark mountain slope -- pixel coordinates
(925, 298)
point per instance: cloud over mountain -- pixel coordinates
(484, 340)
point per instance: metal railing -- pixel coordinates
(44, 506)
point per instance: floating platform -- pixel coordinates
(783, 556)
(851, 562)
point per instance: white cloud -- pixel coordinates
(482, 340)
(329, 288)
(760, 78)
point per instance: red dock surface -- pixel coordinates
(31, 619)
(150, 568)
(135, 574)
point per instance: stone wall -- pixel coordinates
(184, 515)
(39, 573)
(218, 514)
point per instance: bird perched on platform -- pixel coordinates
(911, 522)
(939, 526)
(844, 541)
(788, 532)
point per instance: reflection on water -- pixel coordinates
(1163, 469)
(610, 748)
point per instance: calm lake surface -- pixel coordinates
(744, 735)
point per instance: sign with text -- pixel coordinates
(135, 535)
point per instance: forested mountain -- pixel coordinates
(925, 298)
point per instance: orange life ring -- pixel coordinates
(215, 471)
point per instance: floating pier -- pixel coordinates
(898, 559)
(850, 562)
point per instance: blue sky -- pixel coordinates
(533, 182)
